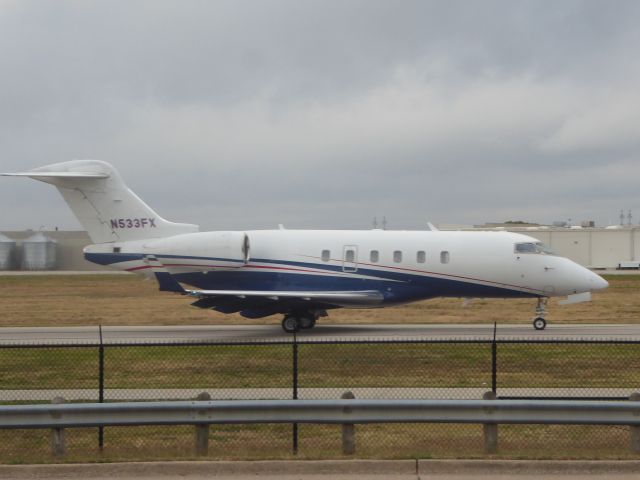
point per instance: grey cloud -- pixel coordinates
(241, 114)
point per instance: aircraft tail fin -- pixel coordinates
(107, 209)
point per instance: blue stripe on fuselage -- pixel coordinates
(396, 286)
(416, 288)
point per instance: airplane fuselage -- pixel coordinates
(404, 266)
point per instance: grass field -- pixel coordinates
(50, 300)
(324, 366)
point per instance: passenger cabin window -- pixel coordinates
(326, 255)
(350, 256)
(116, 249)
(397, 256)
(421, 257)
(444, 257)
(533, 247)
(374, 256)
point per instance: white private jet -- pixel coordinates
(303, 273)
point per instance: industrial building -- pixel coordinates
(597, 248)
(610, 247)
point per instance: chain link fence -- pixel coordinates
(411, 369)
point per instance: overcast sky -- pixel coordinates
(323, 114)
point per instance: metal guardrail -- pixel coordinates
(348, 412)
(320, 411)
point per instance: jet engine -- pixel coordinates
(209, 249)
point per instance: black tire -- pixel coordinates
(306, 322)
(291, 324)
(539, 323)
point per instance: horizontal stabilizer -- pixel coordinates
(107, 209)
(37, 175)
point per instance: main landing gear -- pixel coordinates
(296, 321)
(539, 323)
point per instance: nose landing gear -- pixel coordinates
(539, 323)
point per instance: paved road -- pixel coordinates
(11, 335)
(333, 469)
(342, 476)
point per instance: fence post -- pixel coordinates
(490, 429)
(100, 385)
(202, 430)
(294, 429)
(494, 360)
(348, 429)
(634, 430)
(58, 444)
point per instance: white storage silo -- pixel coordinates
(38, 253)
(7, 249)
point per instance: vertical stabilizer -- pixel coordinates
(107, 209)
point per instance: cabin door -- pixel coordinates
(350, 258)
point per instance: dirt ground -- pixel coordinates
(41, 300)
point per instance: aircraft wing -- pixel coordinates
(261, 303)
(338, 298)
(258, 303)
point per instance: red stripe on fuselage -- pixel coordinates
(143, 267)
(433, 273)
(425, 272)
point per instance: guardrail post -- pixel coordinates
(634, 430)
(348, 429)
(58, 444)
(202, 431)
(490, 429)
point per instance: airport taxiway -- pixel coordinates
(235, 333)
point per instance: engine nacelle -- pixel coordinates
(214, 250)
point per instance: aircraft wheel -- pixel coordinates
(539, 323)
(290, 324)
(307, 322)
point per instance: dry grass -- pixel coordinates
(258, 442)
(41, 300)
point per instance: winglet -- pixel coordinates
(166, 281)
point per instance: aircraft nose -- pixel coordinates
(596, 282)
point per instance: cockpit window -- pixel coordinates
(526, 248)
(533, 247)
